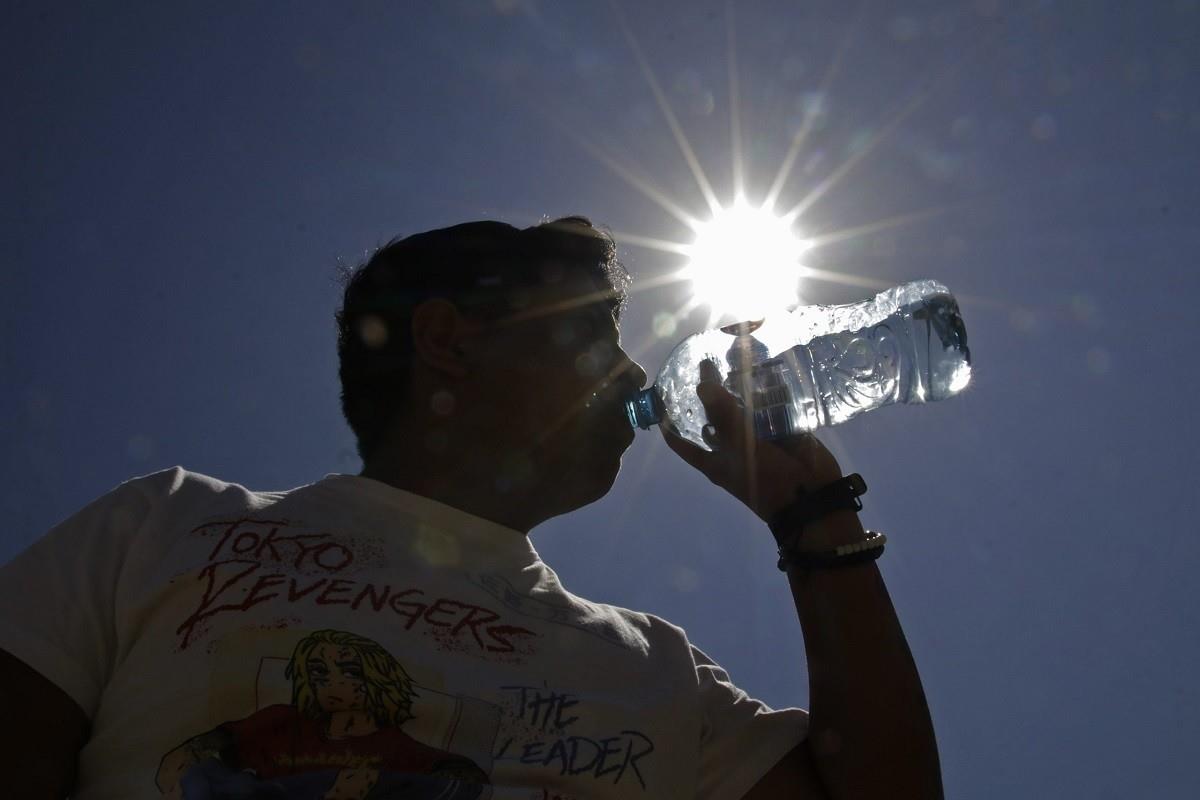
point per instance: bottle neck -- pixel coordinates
(644, 408)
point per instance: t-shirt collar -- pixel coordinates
(479, 538)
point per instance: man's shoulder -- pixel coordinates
(173, 479)
(164, 498)
(641, 619)
(639, 628)
(182, 483)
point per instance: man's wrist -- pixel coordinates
(830, 531)
(821, 519)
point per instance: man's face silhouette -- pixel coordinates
(554, 378)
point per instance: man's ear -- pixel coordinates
(438, 330)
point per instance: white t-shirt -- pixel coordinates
(346, 635)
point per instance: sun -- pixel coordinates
(744, 262)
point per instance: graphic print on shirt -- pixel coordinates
(582, 616)
(283, 567)
(344, 734)
(554, 729)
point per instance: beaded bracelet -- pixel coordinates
(845, 555)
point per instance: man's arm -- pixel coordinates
(43, 732)
(870, 733)
(794, 776)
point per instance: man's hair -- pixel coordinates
(484, 268)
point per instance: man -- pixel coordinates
(483, 377)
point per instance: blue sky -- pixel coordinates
(183, 182)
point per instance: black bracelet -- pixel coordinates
(808, 507)
(846, 555)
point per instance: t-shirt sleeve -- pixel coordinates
(741, 738)
(57, 598)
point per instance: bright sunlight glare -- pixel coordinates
(745, 262)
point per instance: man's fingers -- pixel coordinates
(691, 453)
(722, 408)
(733, 421)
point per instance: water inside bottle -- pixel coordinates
(917, 354)
(909, 345)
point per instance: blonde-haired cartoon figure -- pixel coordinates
(339, 738)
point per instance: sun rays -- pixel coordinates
(762, 221)
(708, 289)
(664, 106)
(697, 211)
(696, 223)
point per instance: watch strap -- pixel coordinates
(808, 507)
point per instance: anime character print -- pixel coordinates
(340, 737)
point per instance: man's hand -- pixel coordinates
(763, 475)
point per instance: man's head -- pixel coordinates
(491, 341)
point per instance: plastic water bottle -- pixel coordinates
(818, 365)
